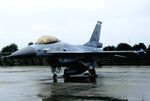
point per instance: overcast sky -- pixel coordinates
(73, 21)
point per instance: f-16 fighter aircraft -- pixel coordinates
(75, 59)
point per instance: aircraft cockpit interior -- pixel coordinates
(47, 40)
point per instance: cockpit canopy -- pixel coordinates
(47, 40)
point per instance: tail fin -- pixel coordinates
(94, 40)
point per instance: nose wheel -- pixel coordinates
(55, 70)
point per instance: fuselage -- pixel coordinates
(58, 47)
(62, 47)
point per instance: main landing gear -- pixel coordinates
(92, 72)
(73, 71)
(55, 77)
(92, 75)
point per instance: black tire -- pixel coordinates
(92, 73)
(55, 78)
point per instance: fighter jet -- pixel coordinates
(75, 59)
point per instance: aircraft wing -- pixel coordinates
(93, 55)
(29, 52)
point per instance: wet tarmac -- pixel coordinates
(113, 82)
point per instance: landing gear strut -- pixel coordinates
(92, 75)
(55, 70)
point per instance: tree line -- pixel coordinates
(9, 48)
(126, 47)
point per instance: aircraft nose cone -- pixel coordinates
(25, 52)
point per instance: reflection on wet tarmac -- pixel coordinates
(73, 92)
(36, 84)
(80, 79)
